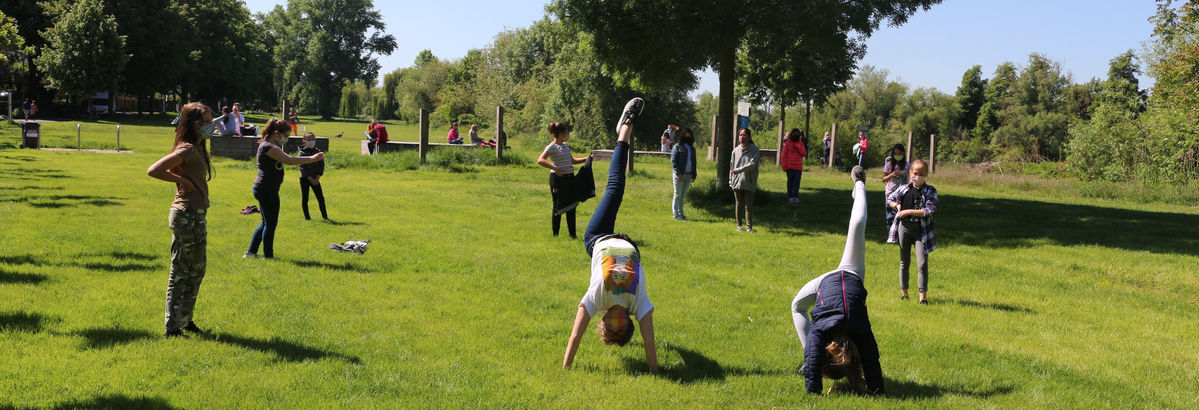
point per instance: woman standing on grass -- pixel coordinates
(791, 161)
(189, 167)
(682, 162)
(915, 204)
(836, 335)
(743, 178)
(617, 287)
(266, 185)
(895, 174)
(558, 159)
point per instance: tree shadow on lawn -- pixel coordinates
(22, 278)
(32, 174)
(96, 266)
(695, 368)
(963, 220)
(21, 321)
(282, 349)
(342, 223)
(117, 401)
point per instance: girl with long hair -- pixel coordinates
(743, 178)
(791, 161)
(271, 158)
(189, 168)
(557, 157)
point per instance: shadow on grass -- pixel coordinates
(282, 349)
(118, 267)
(97, 266)
(342, 223)
(101, 338)
(964, 220)
(904, 389)
(32, 174)
(21, 278)
(695, 368)
(991, 305)
(21, 321)
(117, 401)
(344, 267)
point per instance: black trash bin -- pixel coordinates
(31, 135)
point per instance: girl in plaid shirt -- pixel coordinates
(915, 204)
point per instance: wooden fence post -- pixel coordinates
(499, 130)
(832, 146)
(712, 146)
(932, 153)
(423, 148)
(778, 151)
(907, 155)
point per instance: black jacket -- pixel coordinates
(314, 169)
(841, 307)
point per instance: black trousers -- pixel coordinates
(563, 193)
(320, 197)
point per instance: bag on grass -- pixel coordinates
(358, 247)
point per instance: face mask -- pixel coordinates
(310, 144)
(206, 131)
(899, 157)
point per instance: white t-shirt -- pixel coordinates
(616, 279)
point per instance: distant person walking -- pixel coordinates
(557, 158)
(828, 145)
(916, 203)
(895, 174)
(26, 107)
(860, 149)
(294, 120)
(791, 162)
(743, 178)
(310, 176)
(33, 109)
(682, 162)
(189, 168)
(271, 159)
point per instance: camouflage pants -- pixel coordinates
(189, 241)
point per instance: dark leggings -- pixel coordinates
(320, 197)
(268, 206)
(556, 183)
(603, 221)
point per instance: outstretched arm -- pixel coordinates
(279, 155)
(647, 337)
(576, 335)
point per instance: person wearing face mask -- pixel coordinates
(915, 204)
(895, 174)
(271, 159)
(310, 176)
(794, 151)
(189, 168)
(743, 178)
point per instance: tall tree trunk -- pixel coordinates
(724, 131)
(807, 118)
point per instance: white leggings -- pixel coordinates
(853, 260)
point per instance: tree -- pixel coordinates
(32, 21)
(12, 51)
(227, 54)
(84, 53)
(970, 97)
(324, 43)
(996, 96)
(156, 61)
(629, 45)
(1107, 145)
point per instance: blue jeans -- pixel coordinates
(268, 206)
(793, 178)
(682, 182)
(603, 221)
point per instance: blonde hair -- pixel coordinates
(919, 164)
(844, 362)
(474, 127)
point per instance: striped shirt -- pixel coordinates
(559, 154)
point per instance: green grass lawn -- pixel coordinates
(465, 300)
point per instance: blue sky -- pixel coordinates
(932, 49)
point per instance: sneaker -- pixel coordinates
(739, 229)
(174, 333)
(923, 301)
(631, 110)
(192, 328)
(903, 297)
(858, 174)
(249, 255)
(750, 230)
(794, 200)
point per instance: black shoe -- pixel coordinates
(631, 110)
(192, 328)
(858, 174)
(174, 333)
(903, 297)
(923, 301)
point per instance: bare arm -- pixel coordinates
(278, 155)
(647, 337)
(544, 162)
(579, 160)
(576, 335)
(162, 170)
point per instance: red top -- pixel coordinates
(792, 155)
(381, 133)
(864, 143)
(452, 135)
